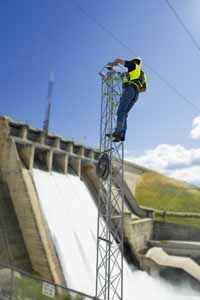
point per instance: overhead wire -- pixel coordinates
(123, 44)
(188, 32)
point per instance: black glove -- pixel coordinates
(109, 66)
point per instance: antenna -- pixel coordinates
(49, 102)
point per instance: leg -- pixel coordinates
(127, 100)
(135, 98)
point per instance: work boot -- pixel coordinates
(118, 139)
(110, 135)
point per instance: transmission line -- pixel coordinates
(183, 24)
(123, 44)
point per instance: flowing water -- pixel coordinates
(71, 215)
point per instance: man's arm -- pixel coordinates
(118, 61)
(126, 63)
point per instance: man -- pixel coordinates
(133, 84)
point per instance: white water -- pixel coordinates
(72, 218)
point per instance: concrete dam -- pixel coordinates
(48, 219)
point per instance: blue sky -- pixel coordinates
(38, 34)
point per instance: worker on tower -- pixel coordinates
(134, 82)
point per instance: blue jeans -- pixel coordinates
(127, 100)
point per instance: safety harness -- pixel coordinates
(136, 77)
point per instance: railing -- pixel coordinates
(18, 285)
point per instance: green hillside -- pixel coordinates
(156, 191)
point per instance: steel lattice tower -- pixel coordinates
(109, 268)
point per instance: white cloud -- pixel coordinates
(168, 156)
(190, 174)
(172, 160)
(195, 132)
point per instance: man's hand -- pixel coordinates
(118, 61)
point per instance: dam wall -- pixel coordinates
(170, 231)
(50, 152)
(40, 249)
(12, 247)
(137, 233)
(23, 148)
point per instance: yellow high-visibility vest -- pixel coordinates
(135, 74)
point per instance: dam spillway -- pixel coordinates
(71, 215)
(72, 218)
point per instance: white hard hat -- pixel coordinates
(138, 59)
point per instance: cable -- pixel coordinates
(167, 83)
(109, 32)
(183, 25)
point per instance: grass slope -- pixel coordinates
(157, 191)
(26, 288)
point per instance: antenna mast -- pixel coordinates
(49, 102)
